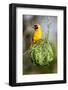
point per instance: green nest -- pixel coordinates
(42, 53)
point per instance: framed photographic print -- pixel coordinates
(37, 44)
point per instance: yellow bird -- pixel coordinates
(37, 34)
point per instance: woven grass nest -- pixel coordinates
(42, 53)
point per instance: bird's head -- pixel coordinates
(37, 27)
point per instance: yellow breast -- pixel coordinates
(37, 35)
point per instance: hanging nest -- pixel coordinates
(42, 53)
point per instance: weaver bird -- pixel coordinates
(37, 34)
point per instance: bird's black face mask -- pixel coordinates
(35, 27)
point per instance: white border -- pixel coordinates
(42, 77)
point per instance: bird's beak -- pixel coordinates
(33, 27)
